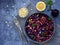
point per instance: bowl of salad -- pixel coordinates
(39, 27)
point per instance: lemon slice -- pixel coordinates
(23, 12)
(40, 6)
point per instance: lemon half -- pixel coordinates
(40, 6)
(23, 12)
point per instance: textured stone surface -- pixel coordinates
(9, 11)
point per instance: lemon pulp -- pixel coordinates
(40, 6)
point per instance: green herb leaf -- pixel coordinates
(32, 36)
(50, 2)
(43, 34)
(33, 25)
(49, 19)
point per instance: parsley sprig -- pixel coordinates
(50, 3)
